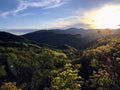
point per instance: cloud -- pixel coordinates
(66, 22)
(25, 4)
(43, 3)
(5, 14)
(56, 5)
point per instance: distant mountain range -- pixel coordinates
(74, 37)
(72, 31)
(77, 38)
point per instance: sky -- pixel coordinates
(51, 14)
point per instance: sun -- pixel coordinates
(105, 17)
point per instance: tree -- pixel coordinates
(102, 80)
(2, 70)
(68, 79)
(9, 86)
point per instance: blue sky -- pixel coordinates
(47, 14)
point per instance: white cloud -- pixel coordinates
(56, 5)
(71, 21)
(24, 4)
(42, 3)
(66, 22)
(5, 14)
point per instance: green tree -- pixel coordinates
(102, 80)
(68, 79)
(2, 70)
(9, 86)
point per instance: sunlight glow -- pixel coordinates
(105, 17)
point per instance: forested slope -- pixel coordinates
(28, 66)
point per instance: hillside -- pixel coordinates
(117, 32)
(78, 38)
(8, 37)
(24, 63)
(28, 66)
(72, 31)
(101, 64)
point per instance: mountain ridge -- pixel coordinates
(74, 37)
(7, 37)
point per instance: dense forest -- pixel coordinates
(25, 65)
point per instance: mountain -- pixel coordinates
(8, 37)
(74, 37)
(74, 31)
(77, 38)
(27, 66)
(117, 32)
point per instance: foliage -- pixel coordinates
(2, 71)
(31, 67)
(9, 86)
(102, 80)
(67, 79)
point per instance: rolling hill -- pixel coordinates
(77, 38)
(8, 37)
(30, 67)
